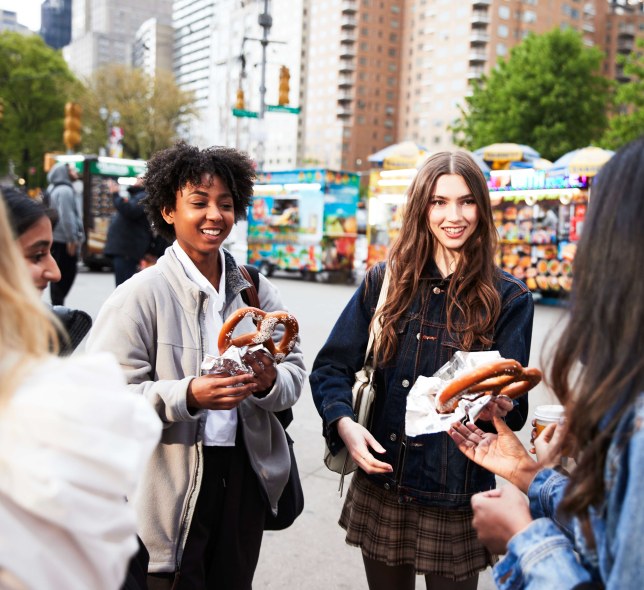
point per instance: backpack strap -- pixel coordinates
(250, 295)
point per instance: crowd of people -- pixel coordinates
(129, 467)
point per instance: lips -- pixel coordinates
(211, 231)
(454, 232)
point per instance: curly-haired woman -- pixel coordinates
(223, 459)
(408, 507)
(583, 529)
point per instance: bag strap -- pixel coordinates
(250, 295)
(376, 326)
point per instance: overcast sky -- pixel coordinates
(28, 11)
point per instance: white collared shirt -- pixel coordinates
(221, 425)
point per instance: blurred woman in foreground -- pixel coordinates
(73, 442)
(584, 529)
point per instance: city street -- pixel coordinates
(312, 554)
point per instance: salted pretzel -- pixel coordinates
(266, 323)
(503, 377)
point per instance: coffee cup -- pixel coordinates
(544, 415)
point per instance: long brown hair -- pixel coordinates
(473, 302)
(598, 367)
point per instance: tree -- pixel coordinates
(548, 94)
(152, 110)
(35, 83)
(627, 122)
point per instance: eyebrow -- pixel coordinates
(38, 245)
(468, 195)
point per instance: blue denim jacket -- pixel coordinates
(428, 469)
(554, 553)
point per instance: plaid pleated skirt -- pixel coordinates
(433, 540)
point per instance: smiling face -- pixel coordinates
(35, 244)
(203, 218)
(453, 217)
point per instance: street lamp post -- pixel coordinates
(110, 118)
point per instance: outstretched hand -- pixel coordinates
(502, 453)
(359, 442)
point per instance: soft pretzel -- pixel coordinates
(503, 377)
(266, 323)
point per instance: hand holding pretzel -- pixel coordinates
(266, 323)
(503, 377)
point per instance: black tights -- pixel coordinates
(381, 576)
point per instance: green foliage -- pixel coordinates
(627, 122)
(35, 83)
(152, 110)
(548, 95)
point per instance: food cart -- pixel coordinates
(97, 200)
(539, 219)
(304, 221)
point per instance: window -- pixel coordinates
(504, 12)
(503, 31)
(501, 49)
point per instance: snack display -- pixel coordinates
(501, 377)
(266, 323)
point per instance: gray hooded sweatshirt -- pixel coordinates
(63, 198)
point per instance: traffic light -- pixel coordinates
(284, 88)
(239, 104)
(50, 162)
(72, 134)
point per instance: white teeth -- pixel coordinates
(453, 231)
(211, 232)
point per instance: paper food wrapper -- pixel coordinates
(231, 362)
(421, 416)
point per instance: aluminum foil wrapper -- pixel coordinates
(231, 362)
(421, 416)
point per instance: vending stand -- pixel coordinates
(304, 221)
(97, 200)
(539, 219)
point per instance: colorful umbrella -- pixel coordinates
(398, 155)
(582, 162)
(507, 152)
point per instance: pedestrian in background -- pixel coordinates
(583, 529)
(223, 460)
(129, 237)
(408, 506)
(73, 445)
(68, 233)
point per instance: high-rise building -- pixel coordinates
(622, 27)
(104, 31)
(352, 80)
(153, 46)
(56, 22)
(9, 22)
(218, 52)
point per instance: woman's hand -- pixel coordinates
(219, 392)
(358, 441)
(499, 515)
(498, 406)
(264, 371)
(502, 453)
(549, 445)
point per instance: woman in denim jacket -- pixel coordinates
(582, 530)
(408, 505)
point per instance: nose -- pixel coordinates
(454, 212)
(51, 271)
(213, 212)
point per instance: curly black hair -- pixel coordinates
(170, 170)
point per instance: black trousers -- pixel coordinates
(68, 267)
(124, 268)
(225, 537)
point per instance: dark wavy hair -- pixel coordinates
(170, 170)
(598, 367)
(25, 211)
(473, 301)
